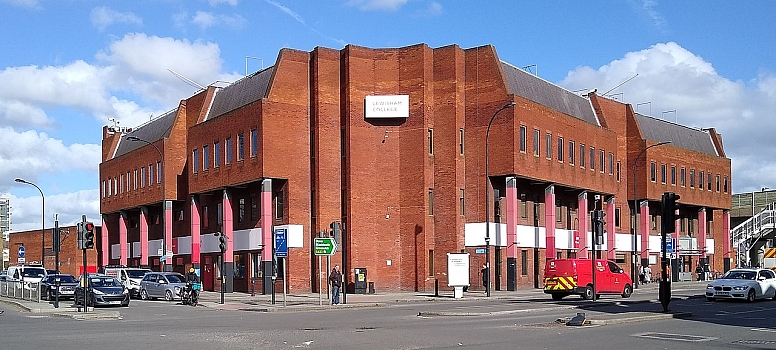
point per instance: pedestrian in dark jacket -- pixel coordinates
(335, 279)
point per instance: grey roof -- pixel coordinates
(242, 92)
(545, 93)
(151, 131)
(681, 136)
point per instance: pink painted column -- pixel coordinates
(228, 227)
(726, 248)
(195, 232)
(123, 238)
(549, 221)
(584, 218)
(511, 203)
(104, 241)
(266, 220)
(644, 216)
(144, 237)
(702, 232)
(168, 233)
(610, 234)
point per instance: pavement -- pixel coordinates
(305, 302)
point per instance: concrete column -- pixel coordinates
(726, 248)
(549, 221)
(144, 237)
(645, 222)
(610, 233)
(104, 241)
(123, 238)
(266, 235)
(584, 219)
(195, 232)
(228, 231)
(167, 234)
(511, 204)
(702, 231)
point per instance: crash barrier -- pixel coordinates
(20, 290)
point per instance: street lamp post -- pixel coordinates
(42, 220)
(164, 198)
(635, 213)
(487, 201)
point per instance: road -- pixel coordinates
(477, 324)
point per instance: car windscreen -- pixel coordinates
(33, 272)
(66, 279)
(175, 278)
(105, 282)
(739, 275)
(137, 273)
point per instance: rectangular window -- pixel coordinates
(280, 206)
(158, 172)
(592, 158)
(195, 158)
(708, 178)
(430, 201)
(431, 263)
(217, 154)
(652, 171)
(548, 145)
(103, 188)
(254, 209)
(150, 174)
(663, 173)
(109, 187)
(673, 175)
(121, 184)
(572, 148)
(240, 146)
(460, 140)
(205, 157)
(524, 262)
(619, 167)
(115, 186)
(462, 202)
(220, 214)
(725, 184)
(430, 141)
(134, 179)
(142, 177)
(602, 161)
(558, 212)
(700, 180)
(523, 206)
(129, 182)
(228, 146)
(581, 155)
(692, 178)
(617, 217)
(560, 149)
(717, 177)
(611, 163)
(682, 177)
(537, 135)
(241, 210)
(523, 132)
(254, 142)
(205, 217)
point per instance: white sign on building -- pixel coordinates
(387, 106)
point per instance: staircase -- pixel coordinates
(752, 233)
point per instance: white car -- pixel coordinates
(747, 284)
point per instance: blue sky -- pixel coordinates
(66, 66)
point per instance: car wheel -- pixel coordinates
(143, 294)
(588, 294)
(710, 299)
(168, 295)
(627, 291)
(751, 296)
(557, 296)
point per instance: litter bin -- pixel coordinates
(371, 288)
(360, 280)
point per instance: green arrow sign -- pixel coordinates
(325, 246)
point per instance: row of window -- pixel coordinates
(703, 178)
(605, 161)
(137, 179)
(225, 154)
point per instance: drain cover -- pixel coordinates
(676, 337)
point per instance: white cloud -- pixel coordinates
(672, 78)
(647, 8)
(203, 19)
(102, 17)
(206, 20)
(434, 8)
(218, 2)
(68, 206)
(287, 11)
(33, 4)
(377, 5)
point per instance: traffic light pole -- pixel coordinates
(56, 244)
(668, 223)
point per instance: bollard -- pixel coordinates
(436, 287)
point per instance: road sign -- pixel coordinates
(21, 252)
(281, 242)
(671, 246)
(325, 246)
(479, 251)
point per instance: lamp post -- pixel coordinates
(164, 198)
(635, 213)
(42, 220)
(487, 201)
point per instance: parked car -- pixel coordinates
(747, 284)
(67, 284)
(165, 285)
(102, 290)
(129, 276)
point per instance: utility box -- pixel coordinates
(360, 280)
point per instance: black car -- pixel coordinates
(67, 284)
(102, 291)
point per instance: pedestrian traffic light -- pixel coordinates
(222, 242)
(669, 208)
(598, 226)
(80, 228)
(88, 235)
(336, 230)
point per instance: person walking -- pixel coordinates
(335, 279)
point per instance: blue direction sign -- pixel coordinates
(21, 251)
(281, 242)
(671, 246)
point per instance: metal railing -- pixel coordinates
(20, 290)
(745, 235)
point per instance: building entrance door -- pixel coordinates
(208, 268)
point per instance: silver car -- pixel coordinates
(165, 285)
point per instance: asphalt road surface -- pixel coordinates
(477, 324)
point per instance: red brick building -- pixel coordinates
(70, 257)
(391, 143)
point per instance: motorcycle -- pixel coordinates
(190, 294)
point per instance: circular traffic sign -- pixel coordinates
(21, 251)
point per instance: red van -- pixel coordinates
(564, 277)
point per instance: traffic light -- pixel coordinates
(336, 232)
(598, 226)
(80, 228)
(222, 242)
(669, 208)
(56, 243)
(88, 235)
